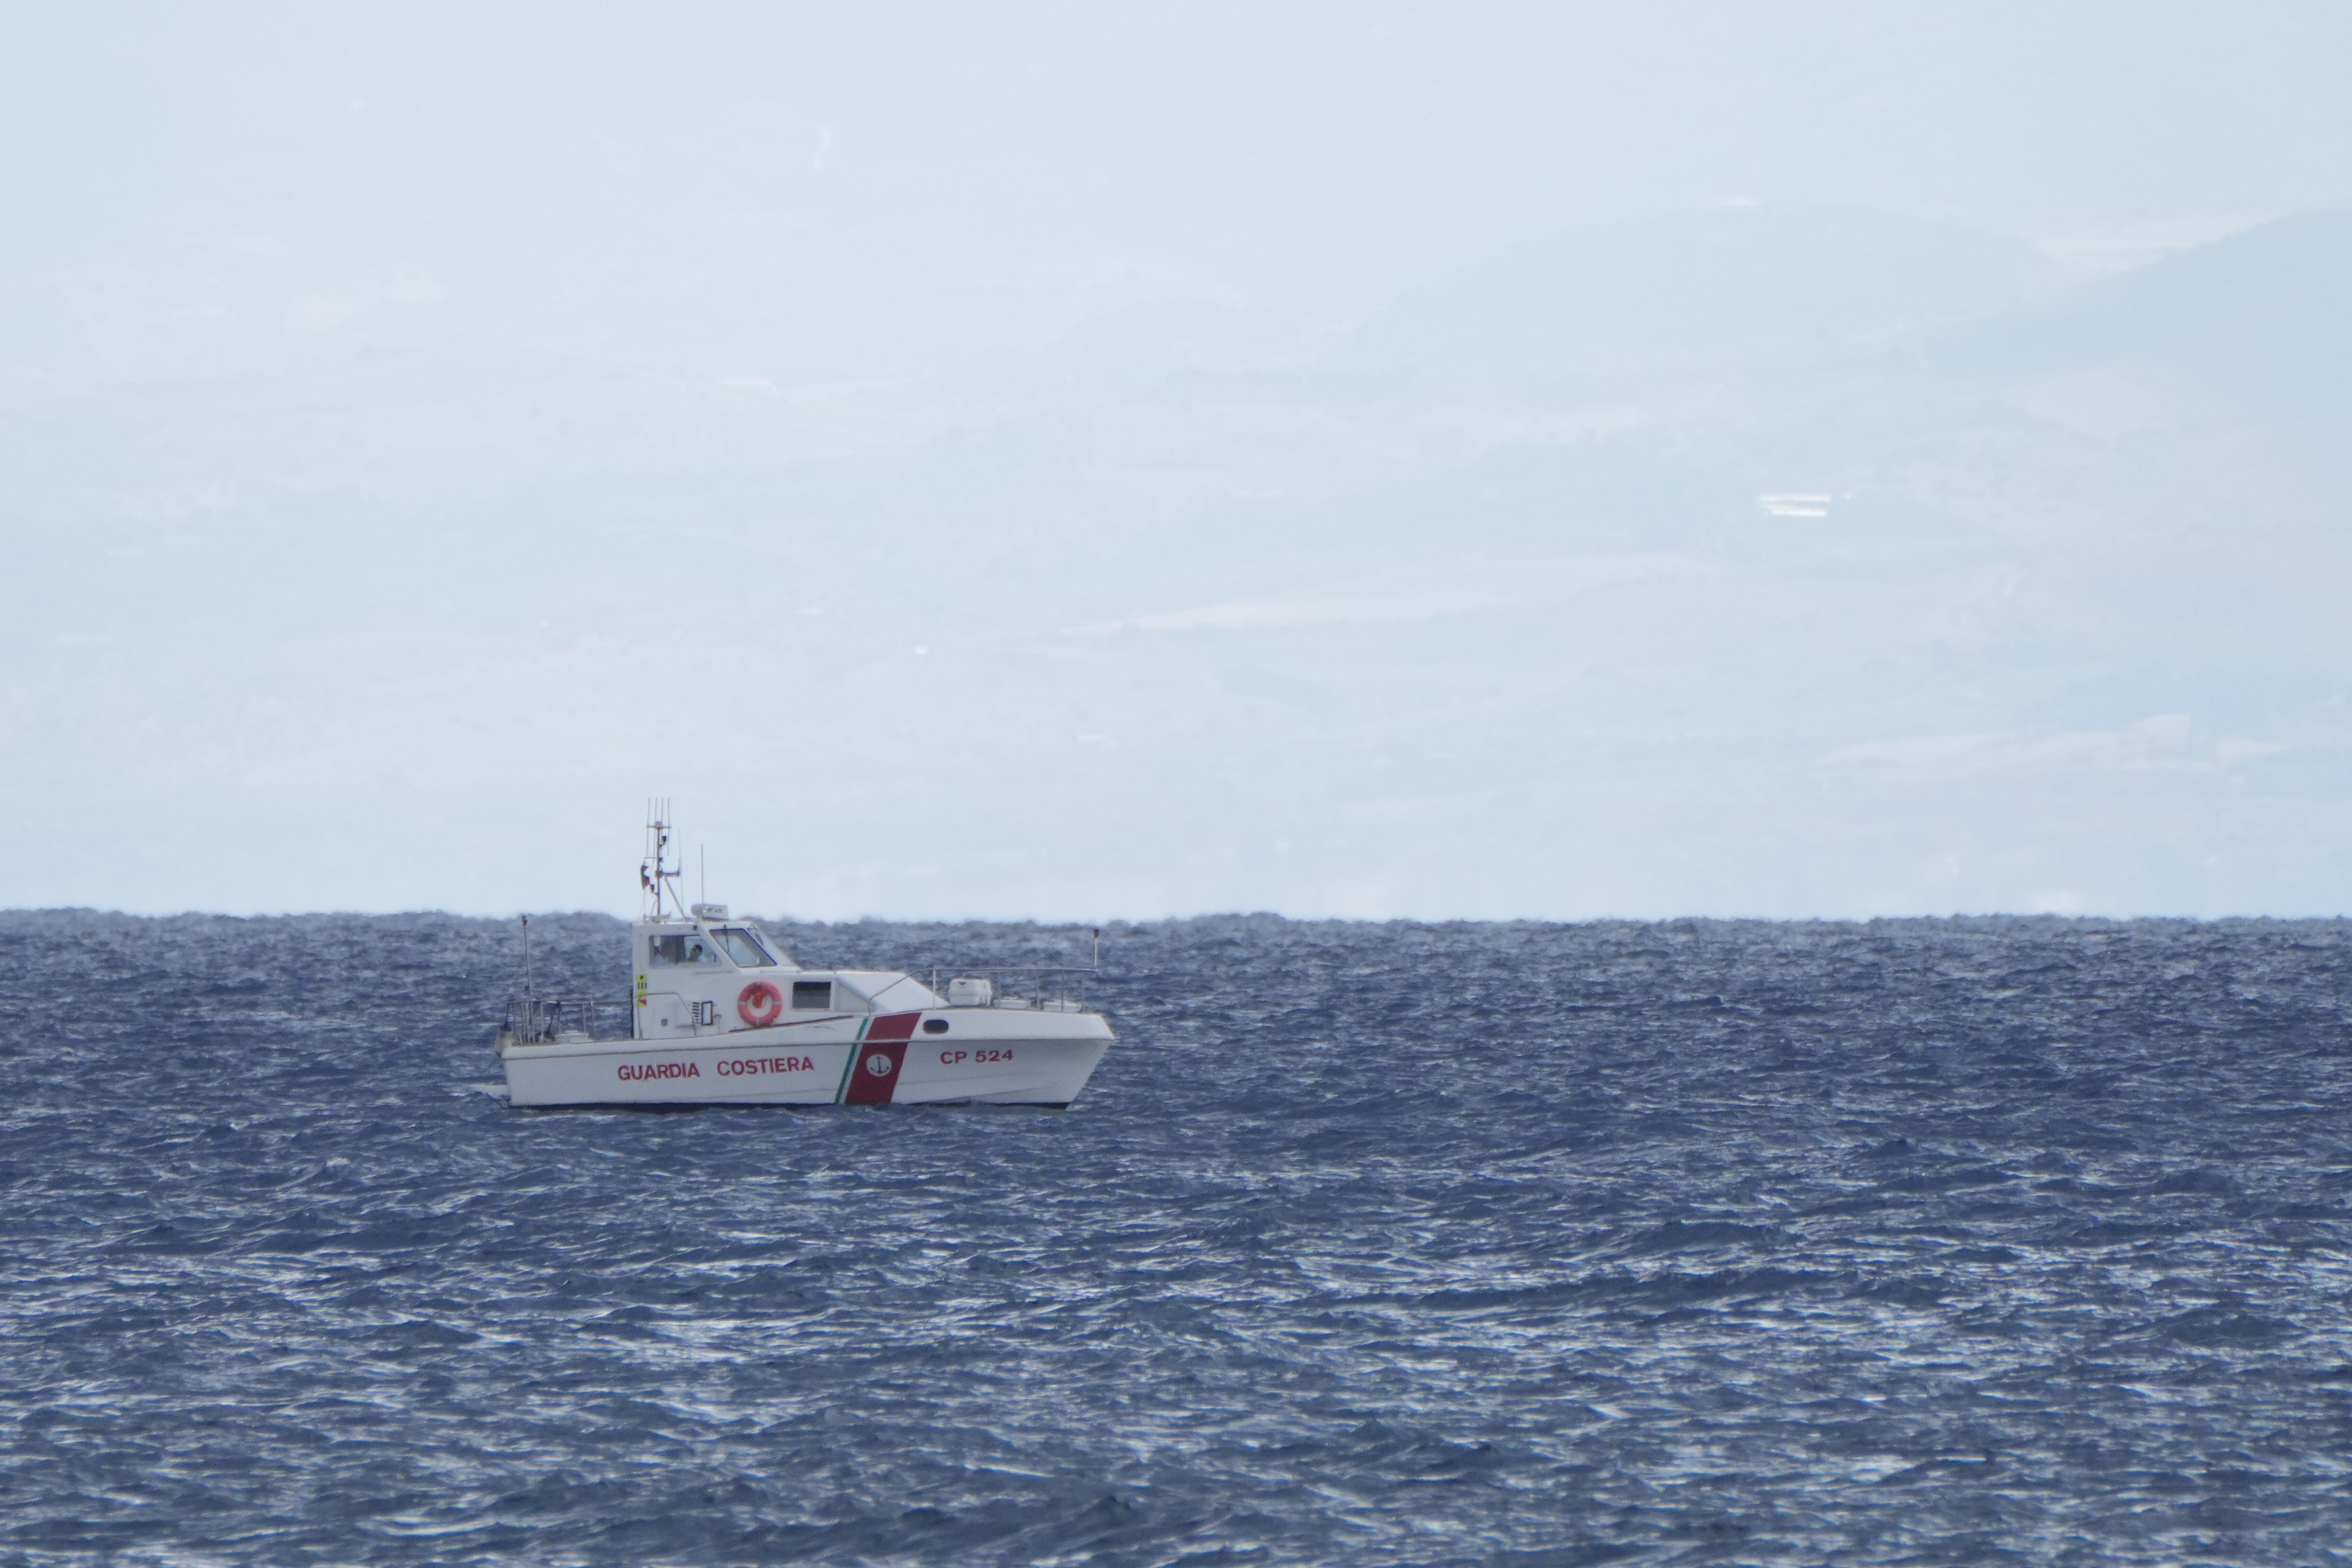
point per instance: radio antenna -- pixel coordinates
(653, 872)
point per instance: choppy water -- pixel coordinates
(1933, 1242)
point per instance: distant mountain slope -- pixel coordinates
(2264, 316)
(1698, 289)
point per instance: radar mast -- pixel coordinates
(654, 873)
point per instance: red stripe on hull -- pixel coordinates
(874, 1077)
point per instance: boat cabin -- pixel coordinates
(707, 973)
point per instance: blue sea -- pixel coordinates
(1966, 1242)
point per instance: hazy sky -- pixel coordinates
(1088, 460)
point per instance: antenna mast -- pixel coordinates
(654, 873)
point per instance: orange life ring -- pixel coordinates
(761, 1003)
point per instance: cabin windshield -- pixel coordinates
(682, 948)
(744, 948)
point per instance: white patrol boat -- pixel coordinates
(721, 1016)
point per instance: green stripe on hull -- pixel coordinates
(849, 1063)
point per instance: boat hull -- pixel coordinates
(986, 1056)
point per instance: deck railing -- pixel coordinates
(535, 1020)
(1047, 985)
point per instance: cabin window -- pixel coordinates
(682, 948)
(816, 994)
(744, 948)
